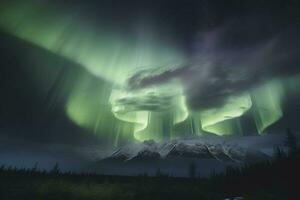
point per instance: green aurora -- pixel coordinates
(100, 100)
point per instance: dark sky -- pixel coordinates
(244, 24)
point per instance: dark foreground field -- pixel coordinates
(276, 179)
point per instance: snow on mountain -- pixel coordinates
(191, 148)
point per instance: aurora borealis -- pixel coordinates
(137, 81)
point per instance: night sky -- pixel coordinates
(78, 75)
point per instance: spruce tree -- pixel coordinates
(291, 141)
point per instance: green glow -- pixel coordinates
(106, 53)
(264, 102)
(220, 120)
(96, 98)
(267, 100)
(154, 111)
(84, 104)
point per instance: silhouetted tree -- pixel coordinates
(192, 170)
(158, 173)
(279, 154)
(35, 167)
(55, 169)
(291, 141)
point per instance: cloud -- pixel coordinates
(149, 102)
(221, 65)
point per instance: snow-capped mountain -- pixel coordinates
(210, 155)
(202, 149)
